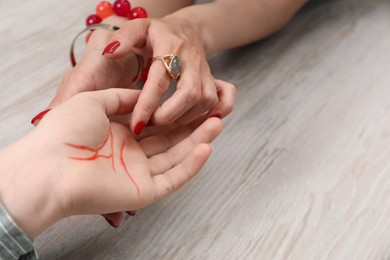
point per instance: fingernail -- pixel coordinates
(212, 147)
(138, 127)
(110, 222)
(131, 213)
(39, 116)
(216, 115)
(110, 48)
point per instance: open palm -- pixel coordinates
(105, 168)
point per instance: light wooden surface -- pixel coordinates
(301, 171)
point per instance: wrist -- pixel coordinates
(193, 28)
(198, 24)
(28, 185)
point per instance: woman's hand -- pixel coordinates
(197, 93)
(94, 72)
(91, 165)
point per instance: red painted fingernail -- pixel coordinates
(216, 115)
(39, 116)
(138, 127)
(110, 222)
(110, 48)
(131, 213)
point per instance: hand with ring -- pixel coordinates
(177, 54)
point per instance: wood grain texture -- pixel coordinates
(301, 171)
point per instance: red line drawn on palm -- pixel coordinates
(96, 155)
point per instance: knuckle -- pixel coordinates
(148, 108)
(163, 117)
(170, 187)
(210, 97)
(229, 108)
(213, 101)
(194, 95)
(163, 120)
(209, 101)
(176, 42)
(161, 85)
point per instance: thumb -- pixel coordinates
(115, 101)
(132, 35)
(57, 100)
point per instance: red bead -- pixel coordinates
(93, 19)
(121, 7)
(137, 12)
(104, 9)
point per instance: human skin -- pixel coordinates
(193, 30)
(205, 33)
(192, 33)
(93, 72)
(47, 175)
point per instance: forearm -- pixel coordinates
(158, 9)
(226, 24)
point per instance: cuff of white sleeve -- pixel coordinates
(14, 243)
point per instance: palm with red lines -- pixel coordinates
(104, 168)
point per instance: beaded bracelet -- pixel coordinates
(121, 8)
(105, 9)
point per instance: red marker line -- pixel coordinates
(127, 172)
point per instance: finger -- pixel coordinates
(157, 144)
(165, 184)
(153, 91)
(132, 34)
(227, 96)
(114, 101)
(121, 119)
(209, 100)
(186, 96)
(173, 156)
(156, 130)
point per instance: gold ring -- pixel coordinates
(172, 64)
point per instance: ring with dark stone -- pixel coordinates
(172, 64)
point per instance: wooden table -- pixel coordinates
(301, 171)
